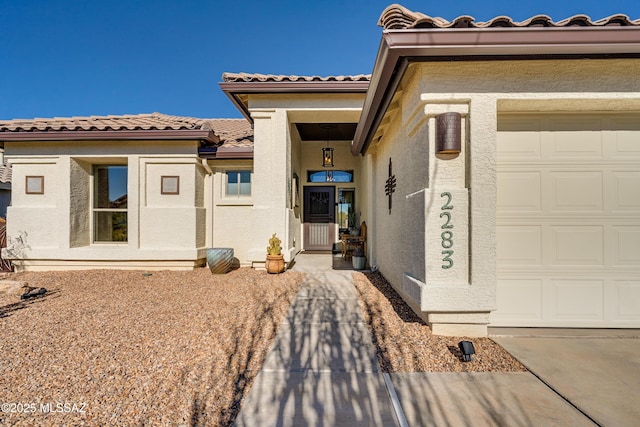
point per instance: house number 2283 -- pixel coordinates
(447, 234)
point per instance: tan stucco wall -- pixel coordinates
(231, 215)
(164, 231)
(479, 91)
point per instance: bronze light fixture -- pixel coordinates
(448, 133)
(327, 152)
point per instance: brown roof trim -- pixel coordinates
(235, 88)
(398, 47)
(223, 152)
(207, 136)
(234, 153)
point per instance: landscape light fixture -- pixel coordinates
(466, 347)
(327, 152)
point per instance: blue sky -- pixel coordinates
(77, 58)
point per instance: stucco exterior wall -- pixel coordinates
(231, 215)
(53, 230)
(295, 193)
(479, 90)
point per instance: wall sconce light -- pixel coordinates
(448, 133)
(327, 152)
(466, 348)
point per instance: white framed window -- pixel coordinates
(109, 207)
(237, 183)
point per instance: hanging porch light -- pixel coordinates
(327, 152)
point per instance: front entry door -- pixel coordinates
(319, 218)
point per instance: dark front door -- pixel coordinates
(319, 218)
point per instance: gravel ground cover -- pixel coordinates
(133, 348)
(404, 342)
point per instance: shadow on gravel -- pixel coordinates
(399, 306)
(9, 309)
(241, 360)
(374, 312)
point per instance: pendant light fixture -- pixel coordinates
(327, 152)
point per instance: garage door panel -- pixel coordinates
(519, 245)
(625, 246)
(519, 299)
(625, 143)
(529, 146)
(577, 300)
(626, 146)
(625, 191)
(519, 191)
(624, 300)
(573, 138)
(576, 245)
(575, 191)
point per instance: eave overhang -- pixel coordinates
(227, 153)
(204, 136)
(400, 47)
(234, 90)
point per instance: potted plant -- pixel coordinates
(275, 260)
(353, 224)
(358, 259)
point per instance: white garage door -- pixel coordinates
(568, 221)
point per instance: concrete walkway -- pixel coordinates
(322, 371)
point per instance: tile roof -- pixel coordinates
(247, 77)
(398, 17)
(232, 132)
(5, 173)
(154, 121)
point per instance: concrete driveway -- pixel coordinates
(596, 371)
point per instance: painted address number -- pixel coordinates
(447, 234)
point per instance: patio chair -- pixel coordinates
(349, 242)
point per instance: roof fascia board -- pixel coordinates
(397, 47)
(233, 89)
(296, 87)
(227, 153)
(72, 135)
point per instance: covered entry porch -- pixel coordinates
(294, 118)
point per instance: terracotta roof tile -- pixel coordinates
(154, 121)
(5, 173)
(232, 132)
(398, 17)
(247, 77)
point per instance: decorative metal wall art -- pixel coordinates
(390, 186)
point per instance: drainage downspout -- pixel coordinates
(208, 202)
